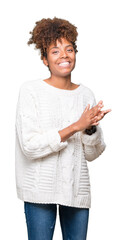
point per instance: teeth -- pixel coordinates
(64, 64)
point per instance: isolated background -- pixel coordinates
(101, 65)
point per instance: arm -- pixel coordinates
(68, 132)
(34, 142)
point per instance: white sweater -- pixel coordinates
(46, 169)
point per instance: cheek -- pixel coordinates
(73, 58)
(52, 66)
(52, 61)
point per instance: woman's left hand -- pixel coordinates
(101, 114)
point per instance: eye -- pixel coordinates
(70, 50)
(55, 52)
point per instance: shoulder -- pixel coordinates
(87, 91)
(30, 84)
(88, 96)
(30, 87)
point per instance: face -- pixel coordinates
(60, 58)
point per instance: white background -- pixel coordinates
(101, 65)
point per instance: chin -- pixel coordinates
(65, 72)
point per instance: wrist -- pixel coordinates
(89, 128)
(75, 127)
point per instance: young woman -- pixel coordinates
(57, 132)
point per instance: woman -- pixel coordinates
(57, 132)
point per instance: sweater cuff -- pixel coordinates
(93, 139)
(54, 140)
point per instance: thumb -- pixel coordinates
(87, 108)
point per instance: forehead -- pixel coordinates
(61, 42)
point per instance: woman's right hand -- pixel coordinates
(90, 116)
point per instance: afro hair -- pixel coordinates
(47, 31)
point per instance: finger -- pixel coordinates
(96, 110)
(95, 124)
(102, 114)
(95, 120)
(98, 117)
(100, 103)
(88, 106)
(85, 109)
(106, 111)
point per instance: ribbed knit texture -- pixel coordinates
(46, 169)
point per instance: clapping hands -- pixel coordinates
(91, 116)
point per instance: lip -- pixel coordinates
(62, 64)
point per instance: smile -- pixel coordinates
(64, 64)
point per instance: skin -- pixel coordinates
(61, 78)
(60, 75)
(91, 117)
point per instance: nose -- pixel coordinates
(63, 54)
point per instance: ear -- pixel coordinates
(45, 61)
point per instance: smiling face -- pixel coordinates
(60, 58)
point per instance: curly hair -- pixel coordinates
(47, 31)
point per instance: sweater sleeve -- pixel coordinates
(34, 142)
(94, 144)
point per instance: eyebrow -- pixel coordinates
(65, 46)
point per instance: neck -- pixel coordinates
(61, 82)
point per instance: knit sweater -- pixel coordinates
(46, 169)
